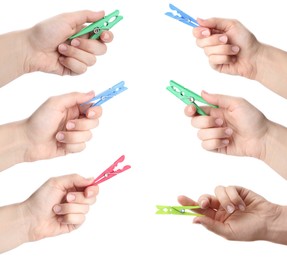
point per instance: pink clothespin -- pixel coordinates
(111, 172)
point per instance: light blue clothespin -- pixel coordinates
(181, 16)
(107, 95)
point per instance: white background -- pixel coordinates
(146, 124)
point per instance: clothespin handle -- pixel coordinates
(177, 210)
(99, 26)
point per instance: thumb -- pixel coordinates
(71, 99)
(215, 23)
(221, 101)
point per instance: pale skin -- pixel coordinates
(232, 49)
(239, 214)
(238, 128)
(58, 127)
(59, 206)
(44, 47)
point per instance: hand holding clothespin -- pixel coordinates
(111, 171)
(95, 29)
(187, 96)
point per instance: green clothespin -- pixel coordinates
(98, 27)
(177, 210)
(187, 96)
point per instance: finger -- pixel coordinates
(224, 199)
(235, 198)
(75, 66)
(71, 148)
(203, 122)
(214, 133)
(214, 144)
(201, 32)
(62, 102)
(222, 101)
(185, 201)
(70, 181)
(225, 49)
(94, 112)
(70, 208)
(89, 197)
(93, 47)
(215, 60)
(77, 19)
(82, 124)
(107, 36)
(74, 137)
(212, 41)
(190, 111)
(208, 201)
(72, 219)
(218, 24)
(71, 53)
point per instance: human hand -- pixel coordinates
(59, 127)
(50, 51)
(236, 213)
(59, 206)
(231, 48)
(235, 128)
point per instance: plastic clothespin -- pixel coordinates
(96, 28)
(107, 95)
(177, 210)
(181, 16)
(111, 171)
(187, 96)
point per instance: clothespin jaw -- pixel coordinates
(96, 28)
(177, 210)
(181, 16)
(187, 96)
(111, 171)
(107, 94)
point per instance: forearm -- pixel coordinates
(276, 148)
(12, 144)
(272, 69)
(12, 56)
(13, 227)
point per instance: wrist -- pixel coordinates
(276, 148)
(276, 226)
(13, 144)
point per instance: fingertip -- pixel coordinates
(190, 110)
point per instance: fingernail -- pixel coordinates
(75, 42)
(106, 36)
(57, 209)
(63, 47)
(203, 204)
(70, 125)
(235, 49)
(225, 142)
(228, 131)
(223, 38)
(219, 121)
(230, 209)
(91, 114)
(241, 207)
(71, 197)
(90, 193)
(60, 136)
(205, 33)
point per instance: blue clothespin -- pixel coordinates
(107, 95)
(181, 16)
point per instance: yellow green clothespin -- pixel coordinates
(96, 28)
(187, 96)
(178, 210)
